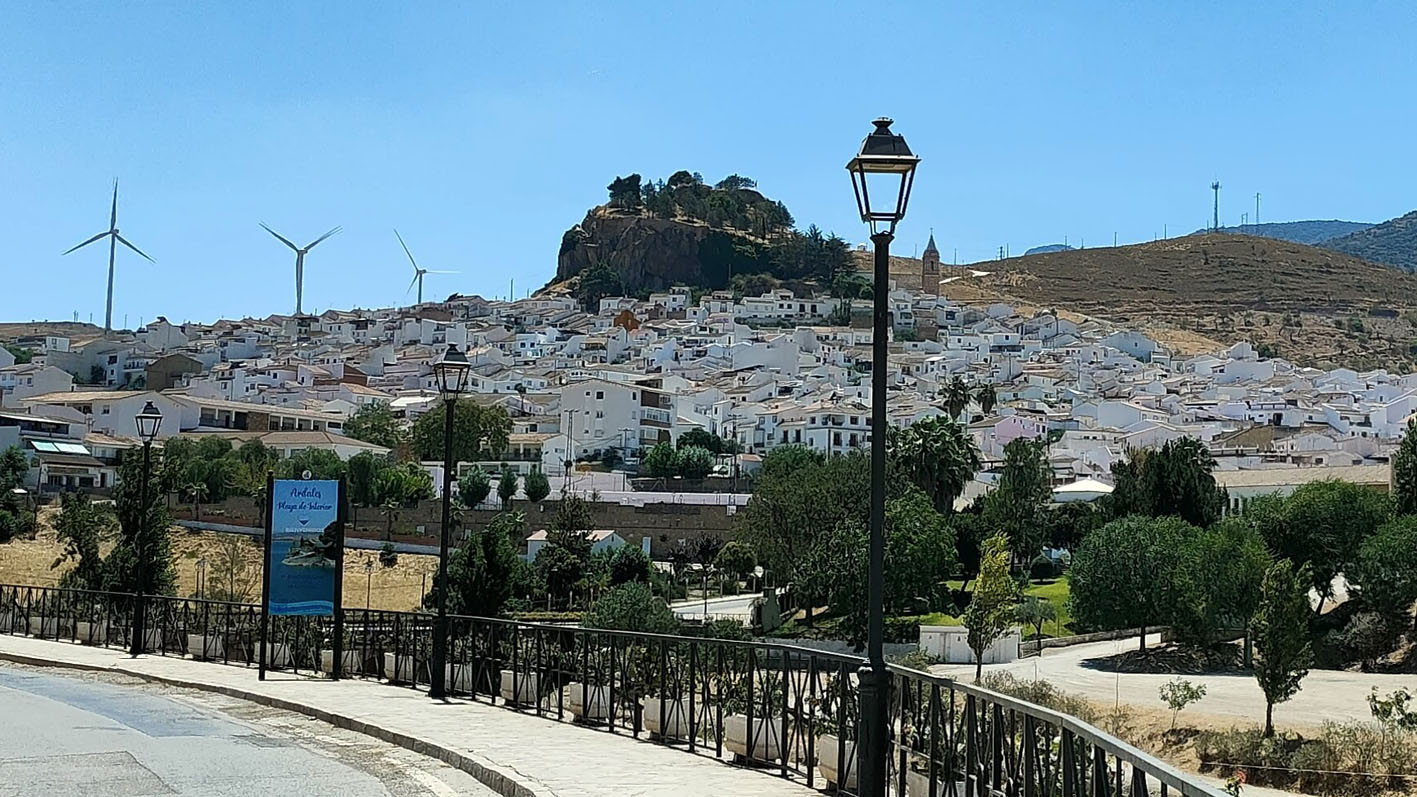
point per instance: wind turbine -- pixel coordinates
(113, 240)
(417, 272)
(299, 259)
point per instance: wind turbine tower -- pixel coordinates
(1215, 224)
(113, 240)
(417, 272)
(299, 259)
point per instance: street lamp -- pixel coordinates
(148, 421)
(886, 165)
(452, 372)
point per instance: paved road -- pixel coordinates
(110, 735)
(1324, 694)
(735, 606)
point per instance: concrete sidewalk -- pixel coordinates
(515, 754)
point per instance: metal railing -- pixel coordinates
(789, 711)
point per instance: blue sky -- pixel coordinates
(483, 130)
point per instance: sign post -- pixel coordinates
(337, 644)
(303, 552)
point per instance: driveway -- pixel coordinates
(1324, 695)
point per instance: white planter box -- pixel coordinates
(832, 765)
(463, 678)
(586, 701)
(676, 718)
(43, 626)
(277, 655)
(527, 685)
(917, 784)
(349, 661)
(766, 737)
(404, 673)
(91, 633)
(204, 647)
(152, 639)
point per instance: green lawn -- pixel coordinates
(1056, 593)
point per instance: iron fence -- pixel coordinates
(789, 711)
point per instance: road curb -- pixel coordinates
(487, 773)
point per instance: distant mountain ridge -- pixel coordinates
(1392, 243)
(1312, 232)
(1047, 248)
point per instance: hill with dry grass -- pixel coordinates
(1305, 303)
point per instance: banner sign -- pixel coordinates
(304, 545)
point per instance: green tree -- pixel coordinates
(405, 485)
(1404, 472)
(659, 461)
(705, 439)
(81, 526)
(474, 487)
(785, 460)
(536, 486)
(1282, 636)
(693, 462)
(1173, 480)
(1070, 523)
(507, 486)
(1018, 505)
(479, 432)
(955, 394)
(1386, 569)
(322, 464)
(987, 398)
(1036, 611)
(481, 570)
(1221, 569)
(1323, 526)
(14, 469)
(799, 503)
(22, 355)
(625, 192)
(735, 559)
(628, 563)
(936, 455)
(1127, 573)
(919, 558)
(142, 557)
(375, 423)
(991, 608)
(363, 471)
(595, 282)
(631, 607)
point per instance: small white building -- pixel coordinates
(950, 644)
(600, 540)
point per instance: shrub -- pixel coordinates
(388, 557)
(1042, 568)
(1179, 693)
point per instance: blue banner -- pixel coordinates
(304, 544)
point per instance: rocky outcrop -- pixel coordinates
(650, 253)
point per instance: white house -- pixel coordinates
(601, 540)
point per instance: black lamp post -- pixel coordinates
(148, 421)
(452, 372)
(886, 167)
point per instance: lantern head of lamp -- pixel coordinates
(884, 168)
(148, 421)
(452, 371)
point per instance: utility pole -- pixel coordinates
(1215, 186)
(1257, 207)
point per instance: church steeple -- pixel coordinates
(930, 267)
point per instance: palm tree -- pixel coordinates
(937, 455)
(956, 397)
(198, 492)
(987, 398)
(390, 509)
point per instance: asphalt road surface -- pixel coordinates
(64, 732)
